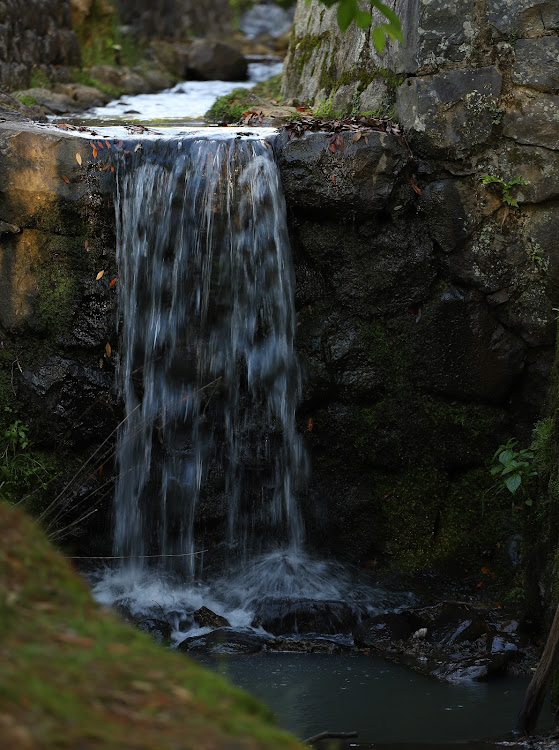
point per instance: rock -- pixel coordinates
(533, 120)
(204, 617)
(158, 629)
(85, 96)
(522, 16)
(537, 63)
(446, 33)
(107, 74)
(210, 60)
(282, 616)
(9, 228)
(453, 209)
(225, 641)
(387, 629)
(57, 104)
(450, 112)
(132, 83)
(372, 97)
(540, 166)
(364, 173)
(306, 646)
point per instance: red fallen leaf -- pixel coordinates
(62, 126)
(334, 180)
(310, 424)
(479, 585)
(94, 152)
(100, 144)
(301, 109)
(113, 282)
(415, 185)
(108, 144)
(66, 180)
(108, 349)
(112, 169)
(107, 166)
(86, 243)
(485, 571)
(332, 147)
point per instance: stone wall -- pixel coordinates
(35, 32)
(449, 289)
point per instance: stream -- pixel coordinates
(210, 300)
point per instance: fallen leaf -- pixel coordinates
(334, 180)
(120, 144)
(479, 585)
(108, 144)
(79, 159)
(112, 169)
(66, 180)
(74, 639)
(357, 136)
(310, 424)
(99, 275)
(182, 693)
(108, 349)
(113, 282)
(100, 364)
(100, 470)
(415, 186)
(100, 144)
(397, 208)
(485, 571)
(86, 243)
(94, 152)
(138, 147)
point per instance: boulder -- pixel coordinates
(204, 617)
(354, 178)
(210, 60)
(225, 641)
(56, 104)
(522, 16)
(283, 616)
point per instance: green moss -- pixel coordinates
(26, 99)
(39, 79)
(75, 676)
(306, 46)
(229, 108)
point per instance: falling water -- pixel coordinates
(209, 375)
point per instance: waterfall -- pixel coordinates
(208, 372)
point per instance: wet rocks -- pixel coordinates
(204, 617)
(285, 616)
(225, 641)
(451, 641)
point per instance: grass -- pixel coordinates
(229, 108)
(75, 676)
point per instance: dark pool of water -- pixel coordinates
(384, 703)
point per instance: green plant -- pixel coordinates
(505, 186)
(513, 469)
(20, 471)
(349, 11)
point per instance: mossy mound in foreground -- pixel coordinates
(73, 675)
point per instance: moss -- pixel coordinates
(75, 676)
(305, 47)
(230, 107)
(26, 99)
(39, 79)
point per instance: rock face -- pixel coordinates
(38, 32)
(175, 20)
(427, 311)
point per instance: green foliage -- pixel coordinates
(505, 186)
(513, 468)
(20, 471)
(39, 79)
(349, 11)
